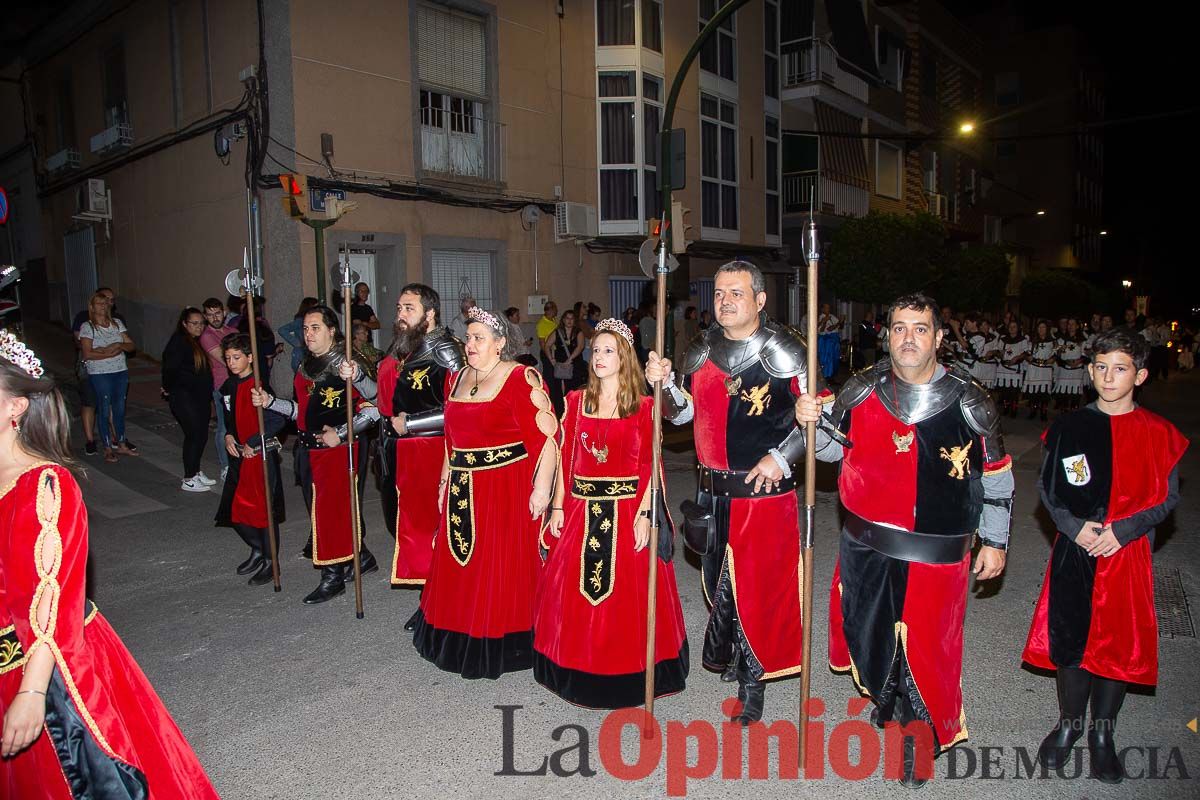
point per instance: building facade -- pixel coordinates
(459, 129)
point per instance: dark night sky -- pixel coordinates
(1150, 173)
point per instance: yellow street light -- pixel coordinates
(1104, 233)
(966, 128)
(1127, 284)
(1041, 212)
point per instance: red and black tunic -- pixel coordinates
(1097, 613)
(413, 386)
(898, 625)
(320, 403)
(243, 498)
(754, 579)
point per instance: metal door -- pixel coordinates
(80, 252)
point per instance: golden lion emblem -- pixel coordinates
(419, 378)
(1079, 470)
(758, 399)
(957, 456)
(330, 398)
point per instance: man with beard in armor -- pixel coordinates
(319, 410)
(412, 381)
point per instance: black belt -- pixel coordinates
(732, 483)
(923, 548)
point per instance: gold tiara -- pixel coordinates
(616, 326)
(14, 351)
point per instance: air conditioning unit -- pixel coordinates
(94, 200)
(115, 138)
(938, 205)
(573, 221)
(63, 160)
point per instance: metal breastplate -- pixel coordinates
(915, 402)
(317, 368)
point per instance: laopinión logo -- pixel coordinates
(723, 747)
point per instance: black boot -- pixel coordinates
(306, 553)
(264, 574)
(411, 625)
(1074, 686)
(1107, 697)
(751, 692)
(366, 563)
(252, 563)
(731, 672)
(332, 584)
(910, 778)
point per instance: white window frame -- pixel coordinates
(777, 193)
(894, 81)
(714, 81)
(721, 233)
(619, 226)
(644, 146)
(899, 187)
(772, 103)
(596, 32)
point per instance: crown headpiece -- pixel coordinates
(477, 314)
(14, 350)
(616, 326)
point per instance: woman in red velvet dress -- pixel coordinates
(590, 617)
(80, 718)
(476, 614)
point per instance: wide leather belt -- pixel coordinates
(477, 458)
(12, 655)
(732, 483)
(922, 548)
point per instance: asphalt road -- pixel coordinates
(282, 700)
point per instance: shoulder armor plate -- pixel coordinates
(448, 352)
(980, 410)
(697, 351)
(783, 354)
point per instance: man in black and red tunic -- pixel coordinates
(925, 475)
(412, 379)
(746, 373)
(322, 465)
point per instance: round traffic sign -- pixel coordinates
(3, 206)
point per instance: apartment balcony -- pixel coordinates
(459, 147)
(811, 64)
(810, 191)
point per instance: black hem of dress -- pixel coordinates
(473, 657)
(589, 690)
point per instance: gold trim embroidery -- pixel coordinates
(460, 537)
(960, 466)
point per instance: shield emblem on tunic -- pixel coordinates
(1077, 470)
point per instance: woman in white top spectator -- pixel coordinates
(104, 343)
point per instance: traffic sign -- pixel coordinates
(316, 197)
(3, 206)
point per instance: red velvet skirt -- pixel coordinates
(111, 690)
(418, 467)
(332, 524)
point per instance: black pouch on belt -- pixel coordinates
(699, 527)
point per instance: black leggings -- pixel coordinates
(192, 414)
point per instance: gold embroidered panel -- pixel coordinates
(598, 553)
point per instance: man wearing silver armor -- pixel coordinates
(746, 372)
(923, 474)
(319, 409)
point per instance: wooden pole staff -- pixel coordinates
(248, 285)
(655, 483)
(810, 487)
(354, 520)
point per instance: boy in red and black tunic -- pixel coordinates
(1109, 476)
(244, 498)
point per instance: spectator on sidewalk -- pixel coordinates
(366, 348)
(268, 347)
(215, 330)
(104, 342)
(87, 397)
(187, 384)
(458, 325)
(360, 310)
